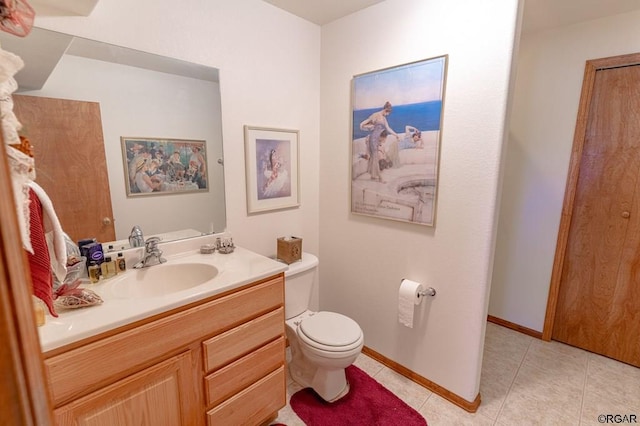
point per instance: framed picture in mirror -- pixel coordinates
(271, 162)
(154, 166)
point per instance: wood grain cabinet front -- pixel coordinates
(253, 405)
(240, 374)
(243, 363)
(237, 342)
(188, 367)
(160, 395)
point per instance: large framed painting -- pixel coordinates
(271, 157)
(395, 141)
(156, 166)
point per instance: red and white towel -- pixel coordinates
(39, 260)
(53, 233)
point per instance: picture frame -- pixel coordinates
(272, 169)
(171, 166)
(396, 123)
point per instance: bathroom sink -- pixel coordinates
(161, 280)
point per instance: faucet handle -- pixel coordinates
(152, 242)
(136, 239)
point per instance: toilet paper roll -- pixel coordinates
(408, 298)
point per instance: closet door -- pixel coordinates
(70, 162)
(598, 306)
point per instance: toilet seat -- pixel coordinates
(330, 332)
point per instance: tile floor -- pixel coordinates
(525, 381)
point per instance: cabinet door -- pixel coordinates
(163, 394)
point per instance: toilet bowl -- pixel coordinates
(322, 343)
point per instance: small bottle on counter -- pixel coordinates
(38, 310)
(108, 267)
(122, 263)
(94, 272)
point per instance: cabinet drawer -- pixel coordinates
(253, 405)
(237, 342)
(236, 376)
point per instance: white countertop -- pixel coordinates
(234, 270)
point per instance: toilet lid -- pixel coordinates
(331, 329)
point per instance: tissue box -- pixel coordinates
(289, 249)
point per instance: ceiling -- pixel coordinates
(63, 7)
(538, 14)
(42, 51)
(322, 12)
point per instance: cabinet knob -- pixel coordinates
(626, 215)
(106, 221)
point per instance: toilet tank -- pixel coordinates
(298, 284)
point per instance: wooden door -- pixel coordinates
(70, 162)
(598, 302)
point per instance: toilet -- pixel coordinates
(322, 343)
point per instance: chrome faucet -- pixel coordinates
(136, 239)
(151, 252)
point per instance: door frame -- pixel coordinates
(24, 392)
(591, 67)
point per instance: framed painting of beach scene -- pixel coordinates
(271, 157)
(395, 141)
(158, 166)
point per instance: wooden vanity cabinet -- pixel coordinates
(218, 362)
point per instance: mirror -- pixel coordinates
(140, 95)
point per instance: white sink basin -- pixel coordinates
(160, 280)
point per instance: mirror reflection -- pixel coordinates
(79, 101)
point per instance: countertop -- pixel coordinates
(234, 270)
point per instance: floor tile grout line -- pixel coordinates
(424, 403)
(515, 376)
(380, 371)
(584, 388)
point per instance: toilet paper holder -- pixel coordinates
(429, 291)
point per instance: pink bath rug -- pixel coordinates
(368, 403)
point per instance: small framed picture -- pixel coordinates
(271, 157)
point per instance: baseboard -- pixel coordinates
(471, 407)
(516, 327)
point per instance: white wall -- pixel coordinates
(549, 79)
(363, 259)
(269, 65)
